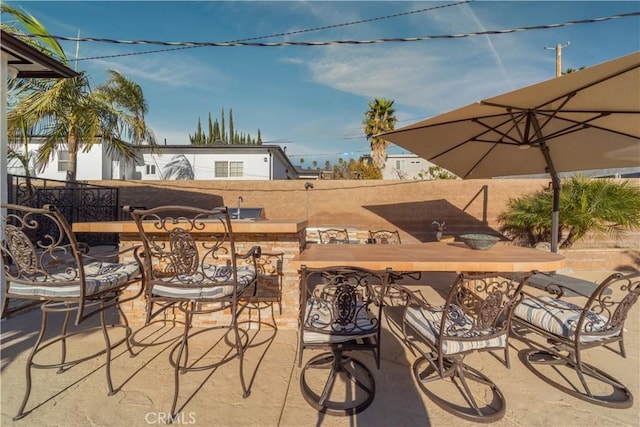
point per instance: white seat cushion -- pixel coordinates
(427, 323)
(216, 282)
(99, 277)
(318, 316)
(561, 318)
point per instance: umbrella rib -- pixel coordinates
(449, 122)
(577, 126)
(515, 121)
(476, 138)
(480, 160)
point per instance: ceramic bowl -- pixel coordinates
(479, 241)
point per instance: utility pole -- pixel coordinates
(558, 49)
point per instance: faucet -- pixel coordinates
(240, 200)
(441, 228)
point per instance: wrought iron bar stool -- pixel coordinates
(384, 237)
(333, 236)
(190, 262)
(391, 237)
(42, 262)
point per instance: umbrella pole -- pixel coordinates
(555, 183)
(555, 216)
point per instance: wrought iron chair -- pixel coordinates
(475, 317)
(268, 291)
(384, 237)
(340, 311)
(391, 237)
(570, 327)
(333, 236)
(197, 278)
(42, 262)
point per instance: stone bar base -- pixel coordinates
(278, 283)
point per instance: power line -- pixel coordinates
(334, 42)
(289, 33)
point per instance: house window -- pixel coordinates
(229, 169)
(235, 169)
(63, 161)
(222, 169)
(400, 165)
(150, 169)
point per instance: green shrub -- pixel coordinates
(586, 205)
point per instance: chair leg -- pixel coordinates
(63, 340)
(359, 384)
(240, 349)
(619, 397)
(107, 342)
(460, 378)
(128, 330)
(43, 326)
(178, 361)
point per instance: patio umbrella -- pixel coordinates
(589, 119)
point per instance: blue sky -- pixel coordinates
(313, 99)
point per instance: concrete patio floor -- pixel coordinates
(78, 397)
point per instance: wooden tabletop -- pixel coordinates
(435, 256)
(238, 226)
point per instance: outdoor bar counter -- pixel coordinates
(286, 238)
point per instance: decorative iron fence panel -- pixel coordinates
(78, 202)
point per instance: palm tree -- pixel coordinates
(70, 115)
(127, 96)
(379, 118)
(25, 157)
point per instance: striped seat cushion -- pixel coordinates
(99, 277)
(216, 282)
(318, 316)
(427, 323)
(561, 318)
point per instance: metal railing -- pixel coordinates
(77, 201)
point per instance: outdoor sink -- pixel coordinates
(247, 214)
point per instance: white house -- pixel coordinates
(210, 162)
(200, 162)
(404, 166)
(96, 164)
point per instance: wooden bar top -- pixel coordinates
(433, 256)
(268, 226)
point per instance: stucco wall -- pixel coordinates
(409, 206)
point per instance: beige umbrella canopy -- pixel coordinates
(589, 119)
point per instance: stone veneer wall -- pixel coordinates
(274, 277)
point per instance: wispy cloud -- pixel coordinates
(178, 71)
(435, 75)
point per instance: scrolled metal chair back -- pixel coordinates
(31, 255)
(385, 237)
(343, 302)
(171, 253)
(333, 236)
(611, 301)
(486, 300)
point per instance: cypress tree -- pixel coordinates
(232, 136)
(210, 138)
(223, 135)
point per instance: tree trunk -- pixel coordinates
(72, 163)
